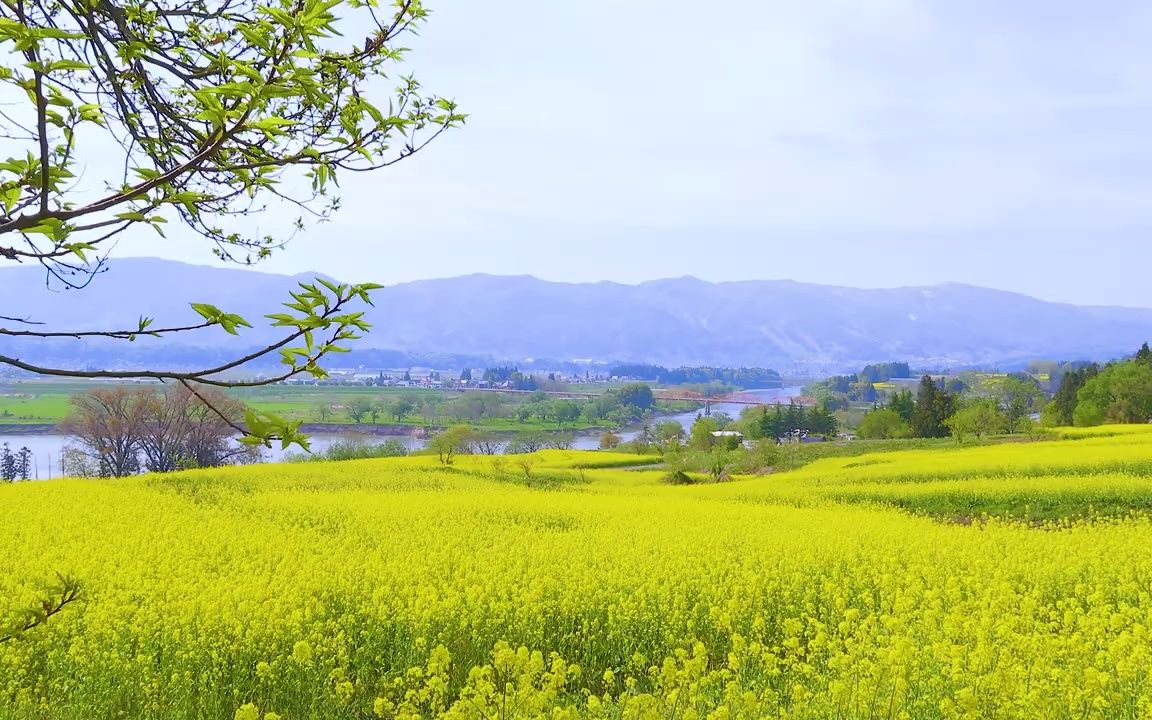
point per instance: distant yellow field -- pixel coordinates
(1007, 581)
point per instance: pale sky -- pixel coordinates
(872, 143)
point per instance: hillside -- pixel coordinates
(782, 324)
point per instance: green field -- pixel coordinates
(47, 402)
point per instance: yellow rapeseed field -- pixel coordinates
(913, 584)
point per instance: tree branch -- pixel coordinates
(113, 334)
(67, 593)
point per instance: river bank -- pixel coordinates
(17, 429)
(47, 443)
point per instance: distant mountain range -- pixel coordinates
(785, 325)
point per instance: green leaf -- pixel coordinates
(10, 197)
(78, 249)
(146, 173)
(66, 65)
(211, 313)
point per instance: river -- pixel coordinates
(46, 448)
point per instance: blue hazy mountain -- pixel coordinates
(781, 324)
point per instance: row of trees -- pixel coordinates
(467, 440)
(922, 415)
(619, 406)
(735, 377)
(784, 422)
(123, 431)
(1120, 392)
(840, 390)
(936, 412)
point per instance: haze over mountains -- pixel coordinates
(685, 321)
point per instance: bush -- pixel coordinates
(609, 441)
(352, 449)
(361, 450)
(679, 477)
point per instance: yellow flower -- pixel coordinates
(247, 712)
(302, 652)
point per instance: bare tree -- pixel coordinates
(107, 422)
(125, 430)
(185, 429)
(488, 443)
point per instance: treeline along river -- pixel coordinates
(47, 447)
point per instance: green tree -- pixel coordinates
(933, 406)
(1120, 393)
(903, 403)
(375, 410)
(322, 411)
(718, 461)
(795, 418)
(979, 417)
(883, 424)
(565, 411)
(358, 407)
(1021, 396)
(456, 440)
(212, 113)
(667, 436)
(820, 420)
(1062, 409)
(636, 395)
(609, 441)
(400, 408)
(770, 424)
(701, 437)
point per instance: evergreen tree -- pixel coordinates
(904, 405)
(7, 463)
(934, 405)
(770, 424)
(794, 418)
(821, 421)
(23, 464)
(1062, 409)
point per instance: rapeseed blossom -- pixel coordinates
(400, 589)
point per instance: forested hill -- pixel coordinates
(780, 324)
